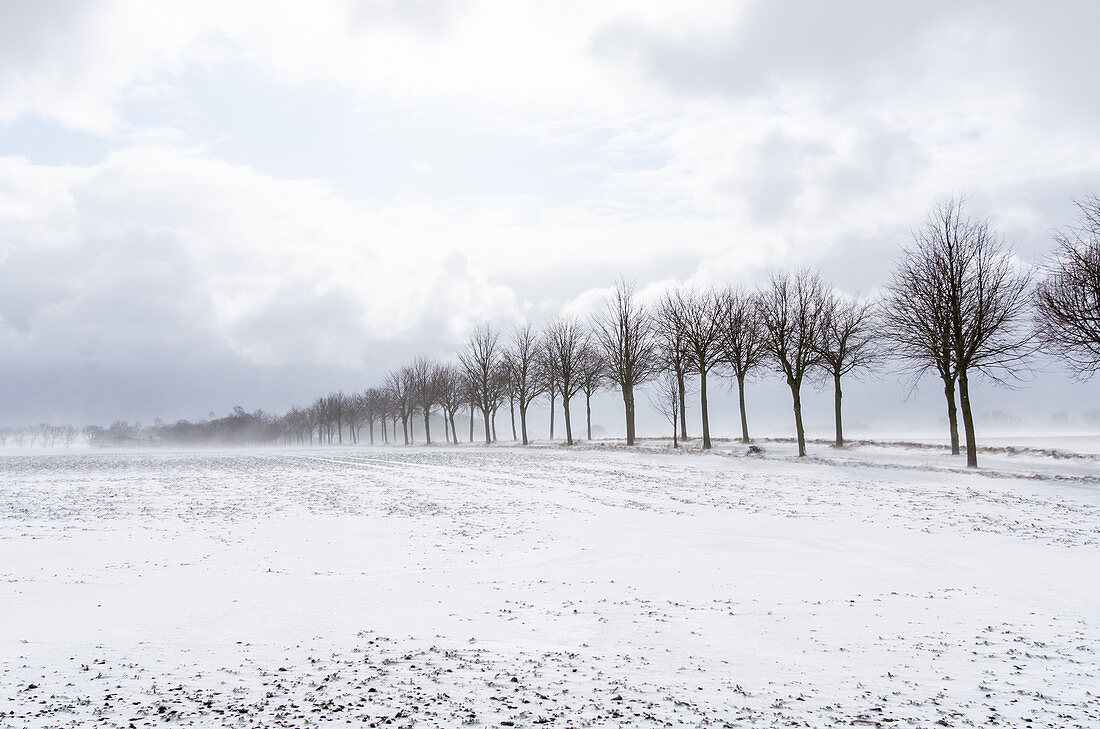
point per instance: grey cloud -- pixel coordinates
(846, 45)
(867, 55)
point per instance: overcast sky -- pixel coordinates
(211, 204)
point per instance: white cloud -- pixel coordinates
(693, 141)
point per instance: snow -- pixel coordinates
(594, 586)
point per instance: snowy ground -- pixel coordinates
(520, 587)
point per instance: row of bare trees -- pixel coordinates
(959, 304)
(43, 434)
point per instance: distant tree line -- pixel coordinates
(958, 304)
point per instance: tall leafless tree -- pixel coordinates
(742, 343)
(481, 360)
(697, 314)
(847, 344)
(791, 309)
(624, 331)
(1067, 300)
(985, 296)
(522, 360)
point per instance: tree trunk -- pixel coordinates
(952, 414)
(551, 416)
(628, 403)
(454, 430)
(683, 405)
(512, 409)
(488, 433)
(427, 429)
(568, 423)
(675, 412)
(405, 428)
(588, 412)
(968, 420)
(523, 422)
(494, 421)
(741, 403)
(795, 387)
(836, 400)
(446, 428)
(703, 406)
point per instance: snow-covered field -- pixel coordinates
(546, 586)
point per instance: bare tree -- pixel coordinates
(985, 297)
(482, 362)
(742, 343)
(400, 385)
(374, 409)
(624, 331)
(791, 310)
(1067, 301)
(452, 396)
(548, 376)
(425, 383)
(847, 344)
(673, 355)
(509, 393)
(593, 378)
(500, 377)
(566, 343)
(337, 407)
(698, 315)
(916, 327)
(665, 399)
(522, 360)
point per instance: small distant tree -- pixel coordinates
(673, 355)
(338, 409)
(742, 343)
(665, 399)
(482, 359)
(624, 332)
(847, 344)
(548, 376)
(791, 310)
(452, 395)
(697, 314)
(425, 383)
(522, 361)
(93, 434)
(593, 378)
(566, 343)
(1067, 300)
(400, 387)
